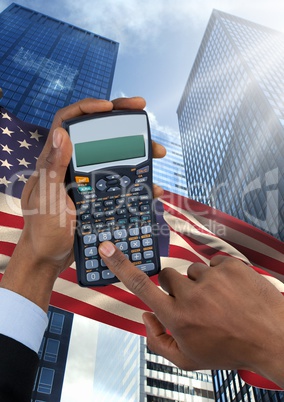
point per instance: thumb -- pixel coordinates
(59, 156)
(164, 344)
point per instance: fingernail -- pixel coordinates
(107, 248)
(57, 138)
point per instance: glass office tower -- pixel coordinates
(231, 118)
(46, 64)
(168, 172)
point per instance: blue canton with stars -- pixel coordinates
(20, 145)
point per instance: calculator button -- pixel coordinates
(121, 211)
(122, 245)
(107, 274)
(93, 276)
(146, 267)
(110, 213)
(101, 185)
(120, 201)
(144, 208)
(85, 217)
(104, 236)
(148, 254)
(90, 251)
(120, 234)
(98, 215)
(113, 176)
(135, 244)
(136, 256)
(86, 229)
(147, 242)
(90, 239)
(124, 181)
(122, 221)
(84, 189)
(144, 197)
(141, 179)
(84, 207)
(133, 210)
(82, 179)
(146, 229)
(143, 170)
(134, 232)
(113, 189)
(132, 199)
(137, 189)
(109, 203)
(91, 264)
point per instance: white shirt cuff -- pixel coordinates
(21, 319)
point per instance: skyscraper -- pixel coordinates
(46, 64)
(231, 118)
(168, 172)
(162, 381)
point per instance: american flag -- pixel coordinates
(191, 232)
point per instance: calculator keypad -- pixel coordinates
(122, 215)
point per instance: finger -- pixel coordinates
(58, 157)
(218, 259)
(162, 343)
(196, 270)
(129, 103)
(84, 106)
(172, 281)
(159, 151)
(157, 191)
(80, 108)
(134, 279)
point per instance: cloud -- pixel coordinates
(131, 21)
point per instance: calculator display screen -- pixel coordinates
(106, 142)
(109, 150)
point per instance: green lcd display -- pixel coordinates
(109, 150)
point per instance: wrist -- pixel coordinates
(30, 276)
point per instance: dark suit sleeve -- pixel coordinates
(18, 367)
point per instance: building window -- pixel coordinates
(56, 324)
(46, 380)
(51, 350)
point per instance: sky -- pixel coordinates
(159, 40)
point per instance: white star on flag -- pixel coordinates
(5, 148)
(24, 144)
(35, 135)
(6, 131)
(6, 164)
(23, 162)
(6, 116)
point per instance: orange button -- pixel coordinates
(82, 179)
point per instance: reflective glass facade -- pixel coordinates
(53, 355)
(162, 381)
(229, 387)
(231, 118)
(168, 172)
(46, 64)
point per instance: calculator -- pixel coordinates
(109, 179)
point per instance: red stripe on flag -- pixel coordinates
(7, 248)
(11, 221)
(260, 259)
(211, 214)
(95, 313)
